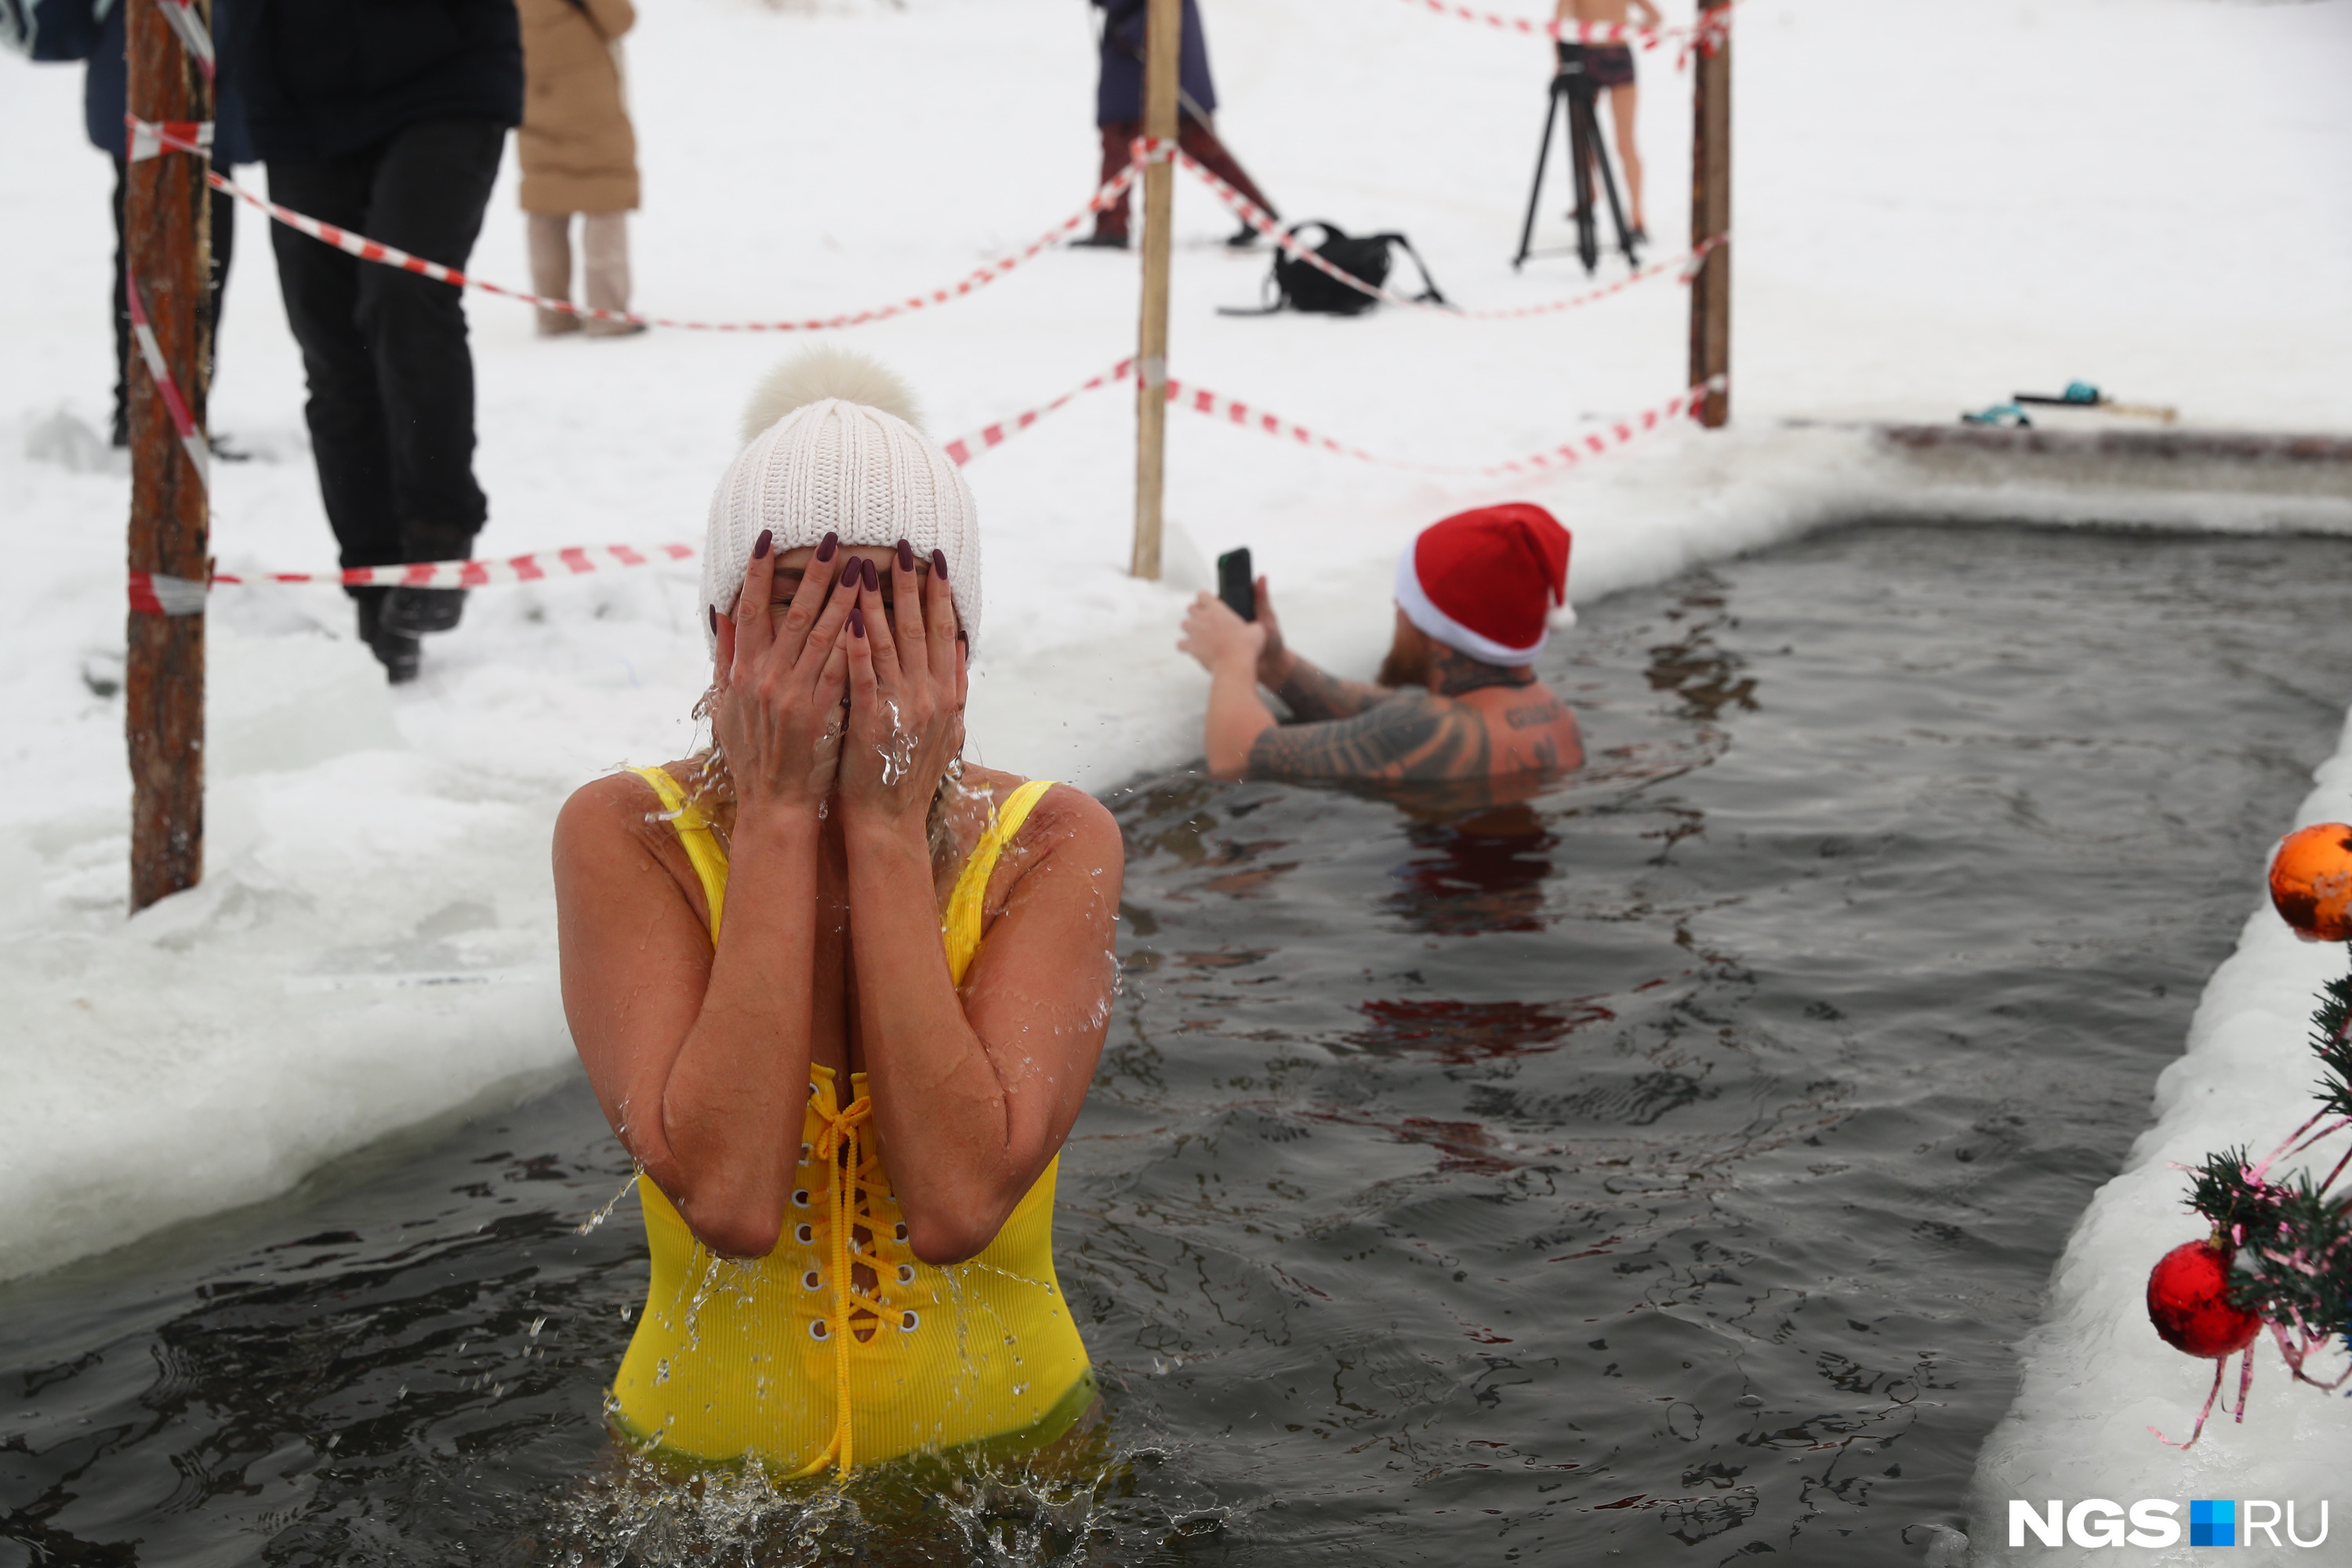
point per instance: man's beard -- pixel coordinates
(1400, 668)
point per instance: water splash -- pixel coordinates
(601, 1214)
(1084, 1501)
(730, 1276)
(899, 753)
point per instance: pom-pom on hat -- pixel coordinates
(833, 444)
(1491, 583)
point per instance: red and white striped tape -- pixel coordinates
(964, 449)
(368, 249)
(1599, 443)
(156, 593)
(194, 34)
(149, 138)
(153, 139)
(161, 595)
(183, 422)
(1250, 212)
(535, 567)
(1711, 26)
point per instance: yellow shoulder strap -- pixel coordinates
(961, 929)
(694, 832)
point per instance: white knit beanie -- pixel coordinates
(833, 444)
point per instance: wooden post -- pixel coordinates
(1710, 301)
(168, 244)
(1163, 40)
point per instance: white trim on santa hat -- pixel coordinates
(1421, 612)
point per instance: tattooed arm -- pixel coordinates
(1313, 695)
(1241, 656)
(1410, 736)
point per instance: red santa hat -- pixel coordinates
(1491, 583)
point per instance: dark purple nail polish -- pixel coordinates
(873, 578)
(714, 618)
(962, 639)
(906, 556)
(940, 564)
(826, 546)
(760, 545)
(857, 618)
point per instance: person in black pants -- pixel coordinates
(387, 120)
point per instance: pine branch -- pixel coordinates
(2240, 1209)
(2301, 1274)
(2291, 1244)
(2331, 1041)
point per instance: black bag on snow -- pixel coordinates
(1303, 287)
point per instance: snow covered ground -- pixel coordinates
(2097, 1378)
(1934, 208)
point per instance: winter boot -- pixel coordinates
(399, 653)
(604, 244)
(417, 612)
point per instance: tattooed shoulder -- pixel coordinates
(1412, 736)
(1530, 715)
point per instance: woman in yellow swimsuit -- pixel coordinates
(848, 1094)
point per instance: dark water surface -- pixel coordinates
(1661, 1167)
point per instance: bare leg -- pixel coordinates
(549, 234)
(1629, 155)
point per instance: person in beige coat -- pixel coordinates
(579, 154)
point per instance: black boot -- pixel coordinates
(417, 612)
(398, 652)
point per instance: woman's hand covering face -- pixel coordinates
(782, 679)
(906, 683)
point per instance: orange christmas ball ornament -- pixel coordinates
(2189, 1302)
(2311, 881)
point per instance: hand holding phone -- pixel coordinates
(1237, 585)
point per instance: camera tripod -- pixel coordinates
(1573, 89)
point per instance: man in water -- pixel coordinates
(1456, 700)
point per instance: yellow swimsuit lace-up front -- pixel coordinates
(795, 1360)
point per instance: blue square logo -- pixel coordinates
(2212, 1523)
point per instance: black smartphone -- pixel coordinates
(1237, 585)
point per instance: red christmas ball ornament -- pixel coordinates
(2311, 881)
(2189, 1302)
